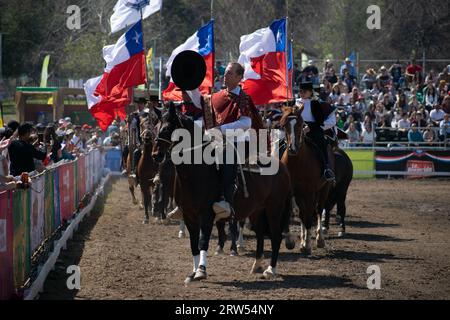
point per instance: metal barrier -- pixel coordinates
(30, 218)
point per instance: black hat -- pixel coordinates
(306, 86)
(141, 100)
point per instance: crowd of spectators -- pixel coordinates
(28, 148)
(399, 102)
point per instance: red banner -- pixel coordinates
(6, 246)
(66, 191)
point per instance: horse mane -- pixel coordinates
(289, 111)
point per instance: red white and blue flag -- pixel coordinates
(202, 42)
(267, 59)
(109, 94)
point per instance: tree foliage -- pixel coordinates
(35, 28)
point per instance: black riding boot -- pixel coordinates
(328, 173)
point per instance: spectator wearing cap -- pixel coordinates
(22, 153)
(349, 66)
(369, 79)
(384, 79)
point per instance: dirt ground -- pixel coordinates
(401, 226)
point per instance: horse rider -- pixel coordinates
(319, 117)
(232, 109)
(135, 130)
(228, 109)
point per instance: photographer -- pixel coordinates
(22, 153)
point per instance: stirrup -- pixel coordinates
(329, 175)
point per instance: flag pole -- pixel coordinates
(145, 55)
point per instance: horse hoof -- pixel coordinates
(241, 248)
(306, 251)
(189, 278)
(269, 274)
(321, 243)
(257, 270)
(141, 206)
(233, 253)
(180, 234)
(219, 251)
(200, 274)
(145, 221)
(290, 244)
(341, 234)
(324, 231)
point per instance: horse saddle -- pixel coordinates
(256, 164)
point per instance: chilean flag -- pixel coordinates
(109, 94)
(105, 109)
(202, 42)
(268, 64)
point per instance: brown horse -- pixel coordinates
(197, 188)
(309, 188)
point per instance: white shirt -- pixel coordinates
(307, 113)
(437, 115)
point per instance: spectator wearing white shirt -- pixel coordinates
(436, 115)
(368, 135)
(403, 124)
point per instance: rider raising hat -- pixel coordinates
(319, 116)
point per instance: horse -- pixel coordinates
(236, 232)
(338, 193)
(163, 189)
(310, 189)
(147, 168)
(197, 188)
(127, 158)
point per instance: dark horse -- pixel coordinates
(163, 189)
(305, 166)
(147, 168)
(197, 188)
(338, 193)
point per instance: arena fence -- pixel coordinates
(400, 162)
(31, 218)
